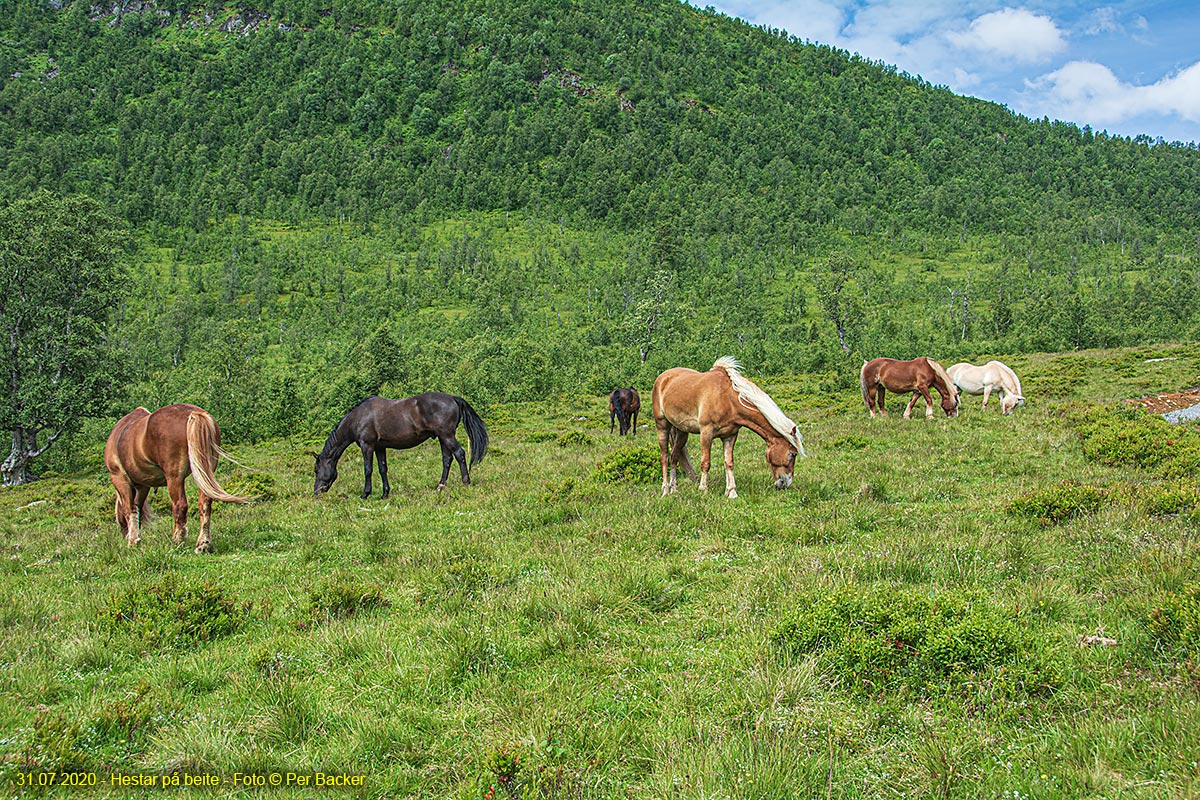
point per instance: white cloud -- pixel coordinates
(1089, 91)
(1012, 33)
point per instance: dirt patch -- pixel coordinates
(1164, 402)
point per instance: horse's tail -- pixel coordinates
(621, 407)
(203, 452)
(862, 381)
(476, 431)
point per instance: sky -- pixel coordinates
(1128, 67)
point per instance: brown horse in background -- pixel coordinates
(916, 376)
(623, 406)
(147, 450)
(717, 404)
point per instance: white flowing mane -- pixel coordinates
(750, 395)
(941, 372)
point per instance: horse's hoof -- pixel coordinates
(731, 494)
(133, 542)
(203, 547)
(440, 486)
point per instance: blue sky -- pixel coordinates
(1128, 67)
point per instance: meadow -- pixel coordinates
(986, 606)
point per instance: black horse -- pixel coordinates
(378, 423)
(623, 405)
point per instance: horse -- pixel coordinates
(717, 404)
(916, 376)
(991, 377)
(623, 405)
(378, 423)
(146, 450)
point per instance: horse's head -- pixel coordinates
(781, 457)
(326, 473)
(950, 400)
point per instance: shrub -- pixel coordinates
(567, 490)
(926, 643)
(574, 439)
(1175, 622)
(340, 597)
(631, 464)
(172, 612)
(1124, 436)
(1058, 502)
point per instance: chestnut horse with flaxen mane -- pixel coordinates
(916, 376)
(717, 404)
(147, 450)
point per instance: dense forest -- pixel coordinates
(512, 199)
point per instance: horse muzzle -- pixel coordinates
(783, 482)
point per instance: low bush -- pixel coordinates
(927, 643)
(1125, 436)
(574, 439)
(172, 612)
(1058, 502)
(631, 464)
(1175, 622)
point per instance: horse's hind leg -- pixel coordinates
(368, 453)
(204, 540)
(664, 455)
(879, 394)
(987, 392)
(381, 457)
(928, 402)
(179, 508)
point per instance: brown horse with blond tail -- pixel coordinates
(146, 450)
(917, 376)
(717, 404)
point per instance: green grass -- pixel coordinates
(557, 629)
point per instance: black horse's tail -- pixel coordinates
(476, 430)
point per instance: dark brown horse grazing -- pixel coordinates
(623, 405)
(146, 450)
(916, 376)
(717, 404)
(378, 423)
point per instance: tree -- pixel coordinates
(830, 278)
(59, 281)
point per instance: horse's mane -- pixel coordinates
(940, 371)
(749, 393)
(1016, 387)
(331, 441)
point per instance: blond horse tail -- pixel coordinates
(862, 381)
(203, 452)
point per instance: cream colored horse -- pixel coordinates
(991, 377)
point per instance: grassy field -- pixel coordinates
(1000, 607)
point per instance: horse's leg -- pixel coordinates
(381, 457)
(987, 391)
(204, 540)
(368, 453)
(127, 508)
(612, 416)
(664, 453)
(706, 437)
(179, 507)
(460, 456)
(633, 428)
(681, 456)
(881, 400)
(928, 401)
(911, 402)
(730, 485)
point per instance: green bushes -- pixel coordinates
(1175, 622)
(630, 464)
(1123, 436)
(170, 612)
(1058, 502)
(926, 643)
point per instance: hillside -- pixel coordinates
(509, 200)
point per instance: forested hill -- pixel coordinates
(622, 112)
(508, 198)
